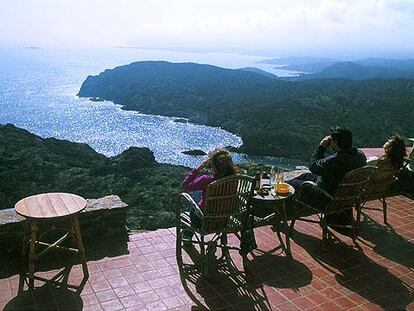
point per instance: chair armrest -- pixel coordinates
(185, 197)
(313, 184)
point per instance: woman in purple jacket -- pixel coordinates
(221, 165)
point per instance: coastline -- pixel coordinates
(239, 151)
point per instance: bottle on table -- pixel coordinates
(272, 176)
(265, 180)
(280, 178)
(257, 179)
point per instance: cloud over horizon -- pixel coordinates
(302, 26)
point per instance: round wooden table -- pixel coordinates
(272, 211)
(62, 207)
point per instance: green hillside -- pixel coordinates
(273, 117)
(30, 164)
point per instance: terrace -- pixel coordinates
(145, 276)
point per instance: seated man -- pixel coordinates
(327, 172)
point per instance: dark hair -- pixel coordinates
(222, 163)
(342, 136)
(396, 151)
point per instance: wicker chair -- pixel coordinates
(410, 160)
(227, 207)
(347, 196)
(380, 186)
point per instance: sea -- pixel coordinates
(38, 92)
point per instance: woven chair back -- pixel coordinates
(349, 191)
(410, 162)
(227, 203)
(380, 181)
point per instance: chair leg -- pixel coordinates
(354, 229)
(178, 250)
(223, 239)
(384, 208)
(359, 212)
(204, 261)
(223, 243)
(325, 232)
(211, 253)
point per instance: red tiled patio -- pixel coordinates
(378, 275)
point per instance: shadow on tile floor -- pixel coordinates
(225, 287)
(356, 272)
(54, 294)
(386, 242)
(63, 275)
(229, 287)
(277, 271)
(57, 259)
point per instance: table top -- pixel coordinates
(273, 197)
(50, 205)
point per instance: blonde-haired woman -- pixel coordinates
(221, 165)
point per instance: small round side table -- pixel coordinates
(49, 207)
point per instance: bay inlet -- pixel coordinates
(39, 90)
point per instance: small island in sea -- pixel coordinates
(181, 120)
(195, 152)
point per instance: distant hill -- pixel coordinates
(272, 116)
(401, 64)
(30, 164)
(355, 71)
(313, 65)
(298, 61)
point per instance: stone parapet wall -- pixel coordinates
(104, 218)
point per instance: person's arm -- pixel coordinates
(193, 182)
(319, 165)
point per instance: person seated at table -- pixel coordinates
(394, 154)
(221, 164)
(328, 171)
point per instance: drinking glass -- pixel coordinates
(279, 180)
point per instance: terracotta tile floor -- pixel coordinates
(378, 275)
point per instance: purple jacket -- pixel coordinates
(193, 183)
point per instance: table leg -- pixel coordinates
(32, 252)
(80, 245)
(24, 260)
(285, 223)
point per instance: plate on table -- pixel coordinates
(263, 191)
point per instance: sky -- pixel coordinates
(283, 27)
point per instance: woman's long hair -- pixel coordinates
(395, 151)
(222, 163)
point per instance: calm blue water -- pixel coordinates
(38, 92)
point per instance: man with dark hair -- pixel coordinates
(343, 137)
(327, 172)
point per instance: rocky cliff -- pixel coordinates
(30, 164)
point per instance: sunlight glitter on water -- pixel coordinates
(38, 94)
